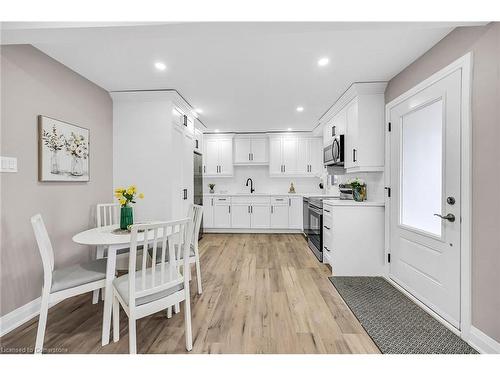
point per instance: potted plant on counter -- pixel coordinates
(358, 189)
(126, 197)
(211, 186)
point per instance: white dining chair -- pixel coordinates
(109, 214)
(59, 284)
(195, 213)
(150, 287)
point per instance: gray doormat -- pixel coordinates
(395, 323)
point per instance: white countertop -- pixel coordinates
(264, 194)
(345, 202)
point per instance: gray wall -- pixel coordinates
(33, 83)
(484, 42)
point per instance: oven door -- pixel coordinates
(328, 155)
(315, 238)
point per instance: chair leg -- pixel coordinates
(116, 319)
(42, 322)
(198, 274)
(95, 294)
(187, 322)
(169, 312)
(177, 308)
(132, 344)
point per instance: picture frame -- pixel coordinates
(63, 151)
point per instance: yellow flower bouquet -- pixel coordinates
(127, 196)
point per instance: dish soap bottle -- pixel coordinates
(292, 189)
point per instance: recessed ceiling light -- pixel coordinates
(323, 61)
(216, 130)
(198, 110)
(160, 66)
(300, 109)
(289, 129)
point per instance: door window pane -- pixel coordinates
(421, 168)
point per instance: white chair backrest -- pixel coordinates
(171, 236)
(195, 214)
(107, 214)
(44, 246)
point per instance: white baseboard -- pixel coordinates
(482, 342)
(19, 316)
(251, 230)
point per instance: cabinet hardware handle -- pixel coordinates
(284, 168)
(229, 208)
(212, 201)
(252, 156)
(248, 209)
(251, 209)
(327, 249)
(354, 155)
(333, 131)
(272, 211)
(222, 199)
(279, 199)
(185, 191)
(326, 210)
(289, 202)
(204, 169)
(326, 227)
(249, 157)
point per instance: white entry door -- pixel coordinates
(425, 182)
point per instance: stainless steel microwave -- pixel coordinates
(333, 154)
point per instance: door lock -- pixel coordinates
(449, 217)
(450, 201)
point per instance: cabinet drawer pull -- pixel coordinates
(324, 209)
(326, 227)
(279, 199)
(221, 199)
(354, 152)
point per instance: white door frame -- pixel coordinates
(464, 63)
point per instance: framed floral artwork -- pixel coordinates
(63, 151)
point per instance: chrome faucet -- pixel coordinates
(251, 185)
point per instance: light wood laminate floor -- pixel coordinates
(263, 293)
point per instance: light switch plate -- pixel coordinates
(8, 164)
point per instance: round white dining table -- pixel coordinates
(107, 238)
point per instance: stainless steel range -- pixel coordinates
(313, 223)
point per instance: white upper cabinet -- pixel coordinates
(250, 150)
(294, 155)
(359, 115)
(218, 156)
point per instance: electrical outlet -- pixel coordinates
(8, 164)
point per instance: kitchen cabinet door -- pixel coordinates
(303, 147)
(222, 215)
(279, 216)
(242, 150)
(208, 212)
(225, 157)
(315, 156)
(295, 214)
(289, 152)
(261, 216)
(351, 141)
(240, 215)
(259, 150)
(211, 157)
(275, 162)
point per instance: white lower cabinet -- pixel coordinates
(208, 212)
(261, 215)
(295, 212)
(279, 212)
(222, 212)
(240, 215)
(353, 239)
(252, 212)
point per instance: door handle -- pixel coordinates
(449, 217)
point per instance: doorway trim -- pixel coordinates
(464, 63)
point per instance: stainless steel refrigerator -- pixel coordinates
(198, 184)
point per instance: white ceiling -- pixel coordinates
(245, 76)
